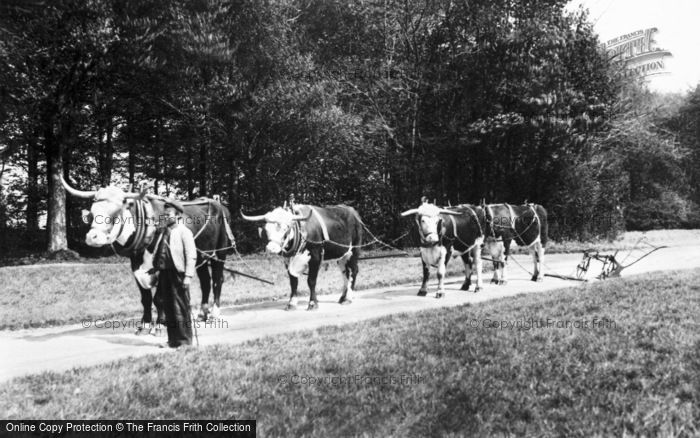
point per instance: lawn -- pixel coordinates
(49, 295)
(627, 364)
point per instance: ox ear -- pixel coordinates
(87, 216)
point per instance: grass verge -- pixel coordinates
(636, 373)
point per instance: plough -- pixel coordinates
(611, 267)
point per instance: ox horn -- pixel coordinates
(133, 195)
(300, 217)
(453, 213)
(409, 212)
(253, 218)
(77, 193)
(140, 195)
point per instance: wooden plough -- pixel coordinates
(611, 267)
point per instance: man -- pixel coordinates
(175, 259)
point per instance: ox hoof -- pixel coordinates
(313, 305)
(215, 313)
(494, 281)
(290, 307)
(345, 302)
(422, 293)
(439, 294)
(503, 282)
(465, 286)
(535, 278)
(141, 331)
(477, 289)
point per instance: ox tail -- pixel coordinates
(225, 216)
(544, 224)
(358, 229)
(229, 233)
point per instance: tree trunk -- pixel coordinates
(190, 174)
(232, 189)
(105, 153)
(203, 168)
(56, 221)
(32, 213)
(132, 151)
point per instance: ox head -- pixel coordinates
(429, 220)
(279, 227)
(105, 212)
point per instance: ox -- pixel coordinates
(526, 224)
(128, 222)
(306, 236)
(443, 232)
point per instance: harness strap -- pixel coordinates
(490, 221)
(138, 224)
(205, 222)
(454, 227)
(539, 223)
(114, 234)
(512, 216)
(298, 241)
(478, 224)
(318, 216)
(144, 227)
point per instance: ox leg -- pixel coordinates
(314, 266)
(217, 277)
(146, 325)
(495, 250)
(441, 271)
(504, 262)
(537, 256)
(205, 285)
(354, 270)
(476, 256)
(160, 310)
(466, 259)
(147, 302)
(349, 271)
(293, 283)
(423, 291)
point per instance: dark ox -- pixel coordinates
(128, 222)
(444, 232)
(525, 224)
(306, 236)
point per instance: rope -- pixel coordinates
(521, 266)
(375, 240)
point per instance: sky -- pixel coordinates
(675, 21)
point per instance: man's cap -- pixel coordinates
(174, 204)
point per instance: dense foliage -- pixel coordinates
(369, 103)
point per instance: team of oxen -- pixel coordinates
(306, 236)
